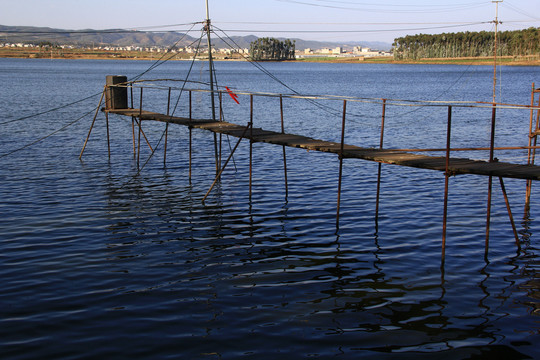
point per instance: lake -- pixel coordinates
(101, 260)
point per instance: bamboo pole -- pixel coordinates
(341, 162)
(93, 121)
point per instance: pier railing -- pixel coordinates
(342, 120)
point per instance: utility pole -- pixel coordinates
(211, 65)
(495, 48)
(210, 60)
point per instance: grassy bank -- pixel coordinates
(55, 53)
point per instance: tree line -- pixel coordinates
(467, 44)
(272, 49)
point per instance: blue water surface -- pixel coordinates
(100, 258)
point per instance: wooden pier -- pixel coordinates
(116, 102)
(456, 166)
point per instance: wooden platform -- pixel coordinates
(457, 165)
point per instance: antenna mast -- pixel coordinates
(495, 48)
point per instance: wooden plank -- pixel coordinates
(388, 156)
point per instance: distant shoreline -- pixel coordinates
(137, 55)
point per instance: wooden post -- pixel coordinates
(380, 167)
(490, 180)
(167, 128)
(446, 183)
(284, 152)
(93, 121)
(341, 162)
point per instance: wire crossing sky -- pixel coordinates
(325, 20)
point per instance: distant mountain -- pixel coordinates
(120, 37)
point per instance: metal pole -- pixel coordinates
(190, 136)
(133, 123)
(380, 166)
(341, 162)
(226, 162)
(167, 128)
(251, 145)
(93, 121)
(532, 152)
(211, 66)
(108, 136)
(284, 152)
(446, 183)
(490, 181)
(516, 236)
(495, 48)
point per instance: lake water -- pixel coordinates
(100, 261)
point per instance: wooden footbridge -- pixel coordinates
(115, 94)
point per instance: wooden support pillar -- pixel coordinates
(284, 152)
(380, 167)
(341, 162)
(490, 180)
(446, 184)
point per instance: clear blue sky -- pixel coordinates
(338, 20)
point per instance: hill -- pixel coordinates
(121, 37)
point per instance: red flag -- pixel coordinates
(233, 95)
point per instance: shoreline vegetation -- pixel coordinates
(56, 53)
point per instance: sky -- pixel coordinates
(324, 20)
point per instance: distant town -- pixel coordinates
(189, 51)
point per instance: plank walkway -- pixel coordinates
(457, 165)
